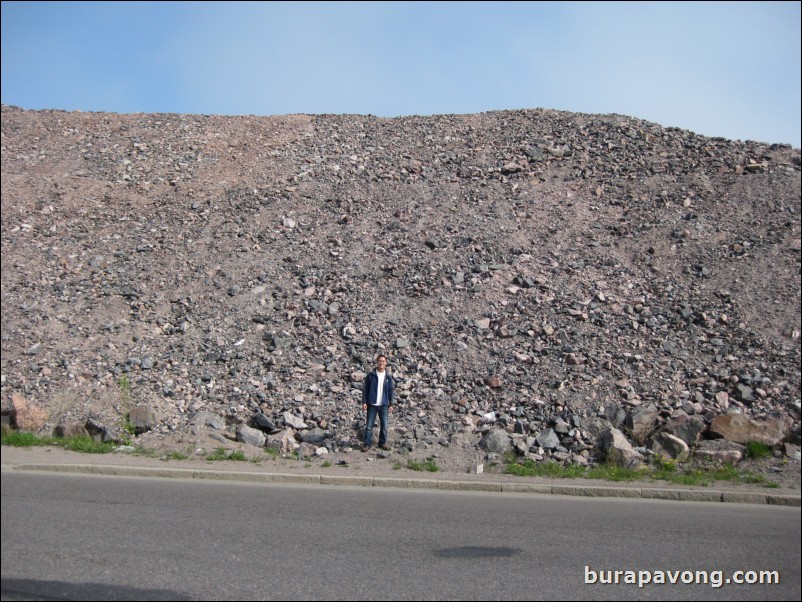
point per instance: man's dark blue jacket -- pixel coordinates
(369, 389)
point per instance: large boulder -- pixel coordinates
(720, 451)
(27, 416)
(671, 447)
(688, 428)
(618, 451)
(739, 428)
(548, 439)
(497, 441)
(206, 418)
(102, 433)
(251, 436)
(284, 441)
(66, 430)
(642, 423)
(144, 418)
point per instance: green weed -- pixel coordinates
(605, 472)
(217, 455)
(756, 449)
(429, 465)
(21, 439)
(273, 452)
(85, 444)
(175, 455)
(553, 470)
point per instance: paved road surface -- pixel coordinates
(96, 537)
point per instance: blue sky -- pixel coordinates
(727, 69)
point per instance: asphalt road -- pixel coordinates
(108, 538)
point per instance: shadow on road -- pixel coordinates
(35, 589)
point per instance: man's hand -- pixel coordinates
(364, 407)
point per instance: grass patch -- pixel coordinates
(84, 443)
(273, 452)
(176, 455)
(221, 454)
(553, 470)
(429, 465)
(21, 439)
(617, 474)
(661, 470)
(325, 464)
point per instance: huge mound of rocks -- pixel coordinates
(560, 284)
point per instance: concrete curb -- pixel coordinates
(654, 493)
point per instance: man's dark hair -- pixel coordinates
(381, 355)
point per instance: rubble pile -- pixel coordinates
(561, 285)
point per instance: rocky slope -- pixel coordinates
(535, 275)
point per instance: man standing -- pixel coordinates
(378, 397)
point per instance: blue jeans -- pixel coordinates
(382, 413)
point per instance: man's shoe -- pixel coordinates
(385, 447)
(365, 448)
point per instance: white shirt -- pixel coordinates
(379, 388)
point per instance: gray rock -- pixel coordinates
(615, 414)
(251, 436)
(670, 447)
(618, 451)
(720, 451)
(687, 428)
(315, 435)
(66, 430)
(101, 432)
(144, 418)
(294, 421)
(548, 439)
(285, 441)
(496, 441)
(745, 394)
(264, 423)
(641, 423)
(204, 418)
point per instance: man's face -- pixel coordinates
(381, 364)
